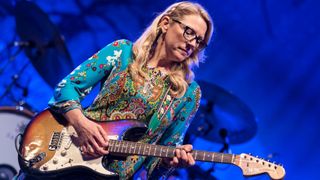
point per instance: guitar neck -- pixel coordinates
(143, 149)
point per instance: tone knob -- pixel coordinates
(45, 167)
(55, 161)
(64, 153)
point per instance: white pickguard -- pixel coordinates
(69, 155)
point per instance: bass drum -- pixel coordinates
(13, 121)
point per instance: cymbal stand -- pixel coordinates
(205, 128)
(10, 57)
(16, 76)
(224, 136)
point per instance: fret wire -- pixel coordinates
(118, 144)
(110, 146)
(130, 147)
(139, 148)
(167, 152)
(213, 157)
(144, 149)
(124, 144)
(115, 146)
(127, 144)
(121, 146)
(134, 148)
(164, 151)
(150, 150)
(222, 158)
(149, 147)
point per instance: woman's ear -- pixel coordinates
(164, 23)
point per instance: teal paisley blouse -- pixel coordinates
(167, 118)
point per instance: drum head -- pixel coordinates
(13, 121)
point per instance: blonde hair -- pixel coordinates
(180, 74)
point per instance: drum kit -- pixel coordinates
(222, 117)
(44, 46)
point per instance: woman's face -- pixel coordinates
(183, 37)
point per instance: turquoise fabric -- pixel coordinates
(120, 97)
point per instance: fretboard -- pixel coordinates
(143, 149)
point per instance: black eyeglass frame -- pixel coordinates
(191, 36)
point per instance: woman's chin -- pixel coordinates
(180, 57)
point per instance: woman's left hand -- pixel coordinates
(183, 157)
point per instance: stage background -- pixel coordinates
(264, 52)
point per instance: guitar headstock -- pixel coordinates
(251, 166)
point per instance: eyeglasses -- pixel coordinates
(189, 34)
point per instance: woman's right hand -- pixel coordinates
(93, 139)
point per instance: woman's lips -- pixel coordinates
(183, 51)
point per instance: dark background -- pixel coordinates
(264, 52)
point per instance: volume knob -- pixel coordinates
(55, 161)
(64, 153)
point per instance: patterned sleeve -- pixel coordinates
(73, 88)
(174, 135)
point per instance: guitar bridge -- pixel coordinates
(36, 159)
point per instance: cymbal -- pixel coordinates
(42, 43)
(222, 117)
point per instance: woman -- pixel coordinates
(150, 80)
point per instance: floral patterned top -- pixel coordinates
(120, 97)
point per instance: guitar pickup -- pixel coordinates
(55, 141)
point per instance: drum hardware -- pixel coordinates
(221, 118)
(15, 119)
(15, 83)
(42, 42)
(11, 56)
(224, 115)
(7, 172)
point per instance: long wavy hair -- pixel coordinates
(180, 74)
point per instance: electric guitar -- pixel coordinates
(50, 147)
